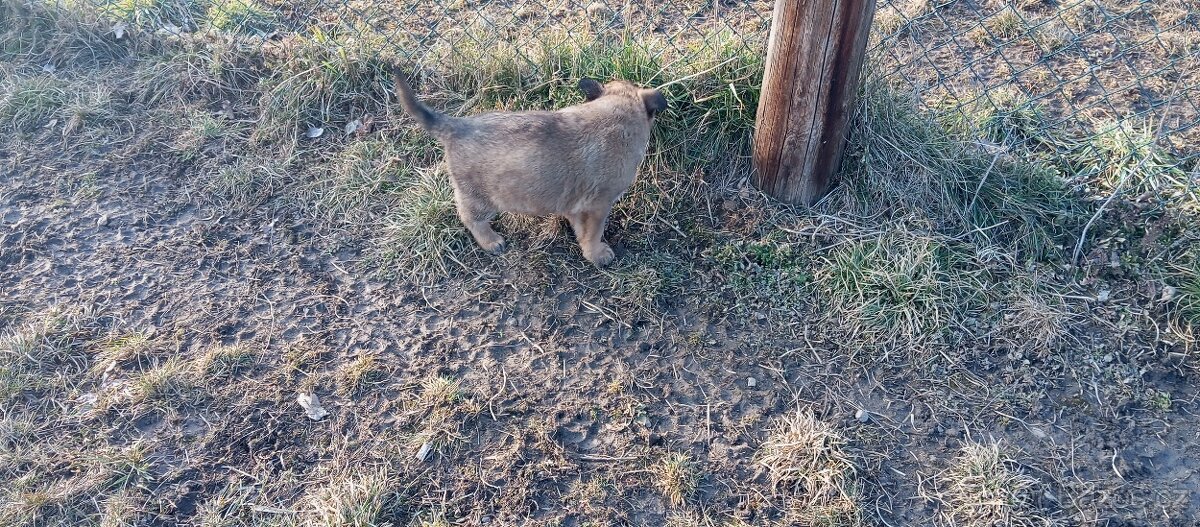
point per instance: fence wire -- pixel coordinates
(1071, 75)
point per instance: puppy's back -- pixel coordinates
(546, 162)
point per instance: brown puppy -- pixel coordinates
(575, 162)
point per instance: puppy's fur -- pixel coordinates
(575, 162)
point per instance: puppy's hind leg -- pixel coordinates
(589, 230)
(477, 217)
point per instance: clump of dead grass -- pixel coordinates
(240, 16)
(359, 498)
(200, 128)
(59, 33)
(808, 463)
(50, 339)
(985, 487)
(122, 350)
(224, 360)
(1000, 28)
(437, 415)
(1033, 320)
(121, 509)
(677, 476)
(1126, 156)
(321, 80)
(938, 176)
(168, 384)
(899, 285)
(360, 374)
(121, 468)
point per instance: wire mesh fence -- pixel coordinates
(1070, 76)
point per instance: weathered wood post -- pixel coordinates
(814, 58)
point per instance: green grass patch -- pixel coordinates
(323, 80)
(900, 285)
(31, 102)
(1127, 154)
(151, 14)
(650, 280)
(241, 16)
(903, 164)
(769, 271)
(422, 235)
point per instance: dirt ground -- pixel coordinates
(160, 318)
(562, 397)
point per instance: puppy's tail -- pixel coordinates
(433, 122)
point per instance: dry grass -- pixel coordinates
(422, 235)
(1000, 28)
(360, 374)
(986, 487)
(945, 240)
(676, 476)
(31, 102)
(359, 498)
(808, 463)
(226, 360)
(165, 384)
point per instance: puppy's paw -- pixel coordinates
(495, 246)
(601, 255)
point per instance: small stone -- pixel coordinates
(751, 382)
(102, 221)
(1038, 433)
(862, 416)
(1103, 296)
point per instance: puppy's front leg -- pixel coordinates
(589, 230)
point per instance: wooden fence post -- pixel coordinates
(814, 58)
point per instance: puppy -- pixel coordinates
(574, 162)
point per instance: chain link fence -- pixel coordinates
(1072, 76)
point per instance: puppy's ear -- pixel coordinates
(654, 101)
(591, 88)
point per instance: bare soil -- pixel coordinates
(531, 388)
(565, 395)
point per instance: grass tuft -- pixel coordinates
(168, 384)
(941, 177)
(223, 361)
(241, 16)
(806, 460)
(245, 184)
(898, 285)
(31, 102)
(438, 414)
(422, 235)
(985, 487)
(321, 80)
(122, 350)
(360, 374)
(124, 467)
(1127, 155)
(677, 476)
(1000, 28)
(359, 499)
